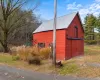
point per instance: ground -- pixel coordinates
(82, 66)
(11, 73)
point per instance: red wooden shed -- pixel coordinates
(69, 36)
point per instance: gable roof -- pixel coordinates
(62, 23)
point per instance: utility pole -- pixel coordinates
(54, 32)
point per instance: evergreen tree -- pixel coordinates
(98, 28)
(90, 24)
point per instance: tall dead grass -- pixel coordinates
(45, 53)
(28, 52)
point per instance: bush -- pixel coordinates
(26, 51)
(34, 60)
(45, 53)
(29, 54)
(90, 42)
(34, 51)
(32, 55)
(23, 53)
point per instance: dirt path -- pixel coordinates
(93, 64)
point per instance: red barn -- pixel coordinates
(69, 36)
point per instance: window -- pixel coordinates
(76, 32)
(41, 45)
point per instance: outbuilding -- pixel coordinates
(69, 36)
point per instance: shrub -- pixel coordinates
(23, 53)
(26, 51)
(15, 49)
(31, 54)
(45, 53)
(34, 51)
(90, 42)
(34, 60)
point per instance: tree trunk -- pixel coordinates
(5, 48)
(93, 34)
(5, 45)
(98, 42)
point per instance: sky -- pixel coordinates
(84, 7)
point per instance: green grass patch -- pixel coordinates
(5, 58)
(69, 69)
(8, 59)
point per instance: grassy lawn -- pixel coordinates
(76, 66)
(8, 60)
(5, 58)
(92, 54)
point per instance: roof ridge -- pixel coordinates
(61, 16)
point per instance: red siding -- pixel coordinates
(74, 47)
(47, 38)
(65, 48)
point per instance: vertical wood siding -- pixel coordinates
(65, 48)
(74, 47)
(47, 38)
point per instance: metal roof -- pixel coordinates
(62, 22)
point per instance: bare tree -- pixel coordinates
(23, 35)
(9, 21)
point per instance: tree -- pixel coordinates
(98, 28)
(9, 21)
(98, 24)
(90, 25)
(23, 34)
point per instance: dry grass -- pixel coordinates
(92, 49)
(45, 53)
(45, 66)
(25, 52)
(78, 66)
(75, 66)
(92, 53)
(90, 72)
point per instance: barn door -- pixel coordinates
(69, 49)
(74, 47)
(81, 47)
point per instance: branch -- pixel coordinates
(8, 6)
(16, 21)
(15, 4)
(1, 25)
(18, 6)
(35, 6)
(13, 30)
(3, 8)
(1, 43)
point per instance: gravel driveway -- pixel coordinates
(11, 73)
